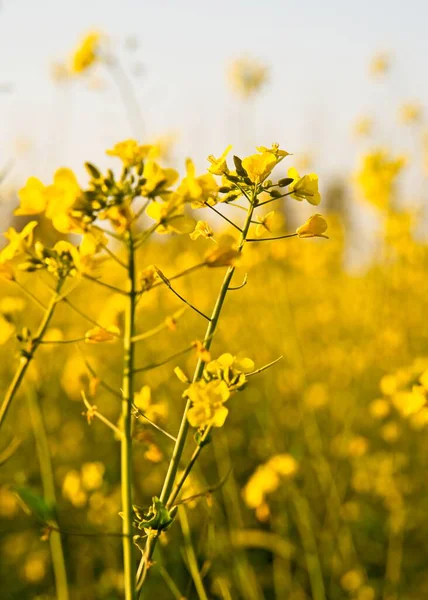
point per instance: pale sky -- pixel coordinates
(317, 51)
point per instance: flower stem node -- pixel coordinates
(158, 517)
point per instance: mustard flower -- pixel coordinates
(130, 152)
(170, 216)
(201, 229)
(410, 113)
(98, 335)
(377, 176)
(33, 199)
(158, 180)
(219, 165)
(315, 226)
(208, 400)
(304, 188)
(247, 76)
(86, 54)
(19, 242)
(200, 190)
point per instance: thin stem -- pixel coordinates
(138, 413)
(184, 426)
(80, 312)
(129, 100)
(114, 257)
(46, 474)
(164, 325)
(126, 441)
(191, 556)
(224, 217)
(28, 357)
(75, 341)
(276, 198)
(108, 232)
(281, 237)
(165, 361)
(106, 285)
(189, 304)
(92, 411)
(31, 295)
(188, 468)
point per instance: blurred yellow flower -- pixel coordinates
(410, 113)
(363, 126)
(201, 229)
(380, 64)
(86, 54)
(130, 152)
(247, 76)
(200, 190)
(19, 242)
(98, 334)
(377, 177)
(219, 165)
(33, 199)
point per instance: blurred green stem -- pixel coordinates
(46, 474)
(126, 440)
(190, 554)
(184, 426)
(28, 357)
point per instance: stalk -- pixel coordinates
(184, 426)
(26, 360)
(126, 440)
(46, 474)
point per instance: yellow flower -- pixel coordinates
(7, 329)
(207, 403)
(32, 196)
(219, 165)
(410, 113)
(315, 226)
(305, 187)
(170, 216)
(363, 126)
(130, 152)
(86, 54)
(247, 76)
(376, 177)
(259, 166)
(158, 180)
(267, 478)
(409, 402)
(93, 241)
(98, 334)
(352, 581)
(18, 242)
(223, 256)
(201, 229)
(61, 197)
(265, 223)
(199, 190)
(6, 271)
(380, 64)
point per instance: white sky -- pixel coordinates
(318, 53)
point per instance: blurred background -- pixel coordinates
(322, 461)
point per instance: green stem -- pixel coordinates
(191, 556)
(126, 441)
(46, 474)
(26, 360)
(184, 426)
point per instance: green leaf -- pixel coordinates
(35, 504)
